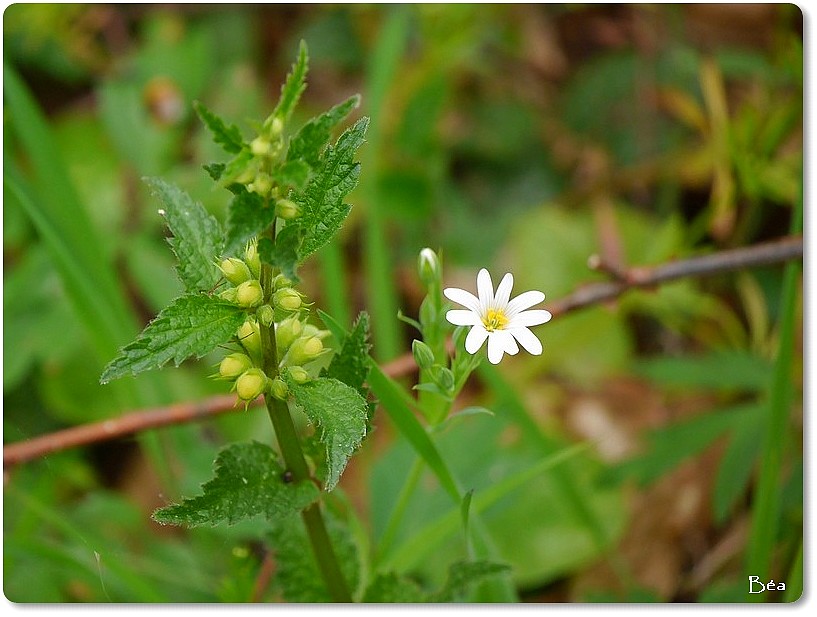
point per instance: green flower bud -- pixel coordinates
(251, 384)
(252, 259)
(279, 389)
(311, 330)
(233, 365)
(280, 282)
(265, 314)
(298, 374)
(443, 377)
(428, 267)
(249, 294)
(303, 350)
(286, 209)
(235, 270)
(276, 127)
(249, 335)
(286, 332)
(423, 355)
(260, 146)
(286, 299)
(262, 184)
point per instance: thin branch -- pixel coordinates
(767, 253)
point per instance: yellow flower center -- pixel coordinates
(494, 319)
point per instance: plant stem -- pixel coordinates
(290, 446)
(402, 503)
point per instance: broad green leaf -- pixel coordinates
(670, 446)
(196, 237)
(351, 363)
(247, 217)
(297, 574)
(283, 253)
(228, 137)
(463, 575)
(393, 401)
(340, 413)
(308, 143)
(191, 325)
(393, 589)
(718, 371)
(294, 86)
(322, 207)
(248, 481)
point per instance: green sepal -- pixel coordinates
(192, 325)
(248, 481)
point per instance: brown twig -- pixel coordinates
(767, 253)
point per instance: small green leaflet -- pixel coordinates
(351, 363)
(323, 210)
(248, 481)
(297, 574)
(308, 143)
(196, 237)
(340, 413)
(293, 87)
(247, 217)
(228, 137)
(192, 325)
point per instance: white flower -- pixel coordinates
(497, 318)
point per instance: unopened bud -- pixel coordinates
(304, 349)
(262, 184)
(260, 146)
(265, 314)
(276, 127)
(249, 294)
(233, 365)
(423, 355)
(298, 374)
(250, 337)
(229, 295)
(235, 270)
(251, 384)
(252, 259)
(443, 377)
(428, 267)
(286, 332)
(279, 389)
(286, 209)
(280, 282)
(286, 299)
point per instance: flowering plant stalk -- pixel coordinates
(287, 190)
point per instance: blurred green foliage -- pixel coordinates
(501, 137)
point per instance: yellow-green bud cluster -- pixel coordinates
(243, 275)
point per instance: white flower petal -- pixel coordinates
(529, 318)
(462, 318)
(511, 347)
(523, 301)
(496, 345)
(485, 290)
(476, 337)
(503, 292)
(460, 296)
(527, 339)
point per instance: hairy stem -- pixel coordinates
(290, 446)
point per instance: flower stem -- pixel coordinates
(290, 446)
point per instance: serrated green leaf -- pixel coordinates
(308, 143)
(248, 481)
(463, 575)
(340, 413)
(228, 137)
(247, 217)
(393, 589)
(297, 574)
(351, 363)
(292, 174)
(215, 170)
(283, 253)
(196, 237)
(191, 325)
(294, 85)
(322, 207)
